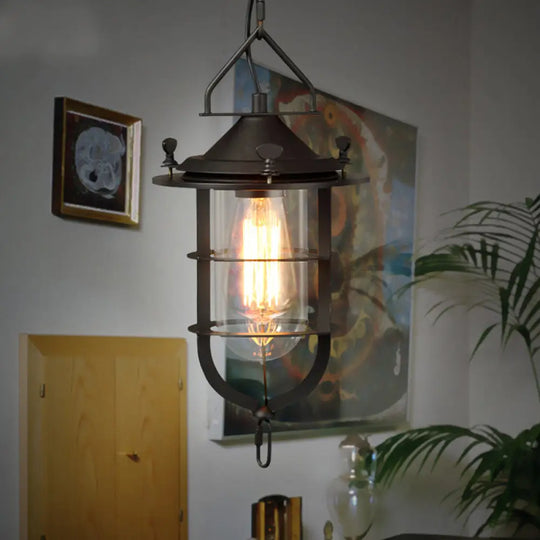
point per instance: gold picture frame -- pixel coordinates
(96, 163)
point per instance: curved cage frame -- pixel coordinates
(320, 322)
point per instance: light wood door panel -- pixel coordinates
(148, 427)
(106, 444)
(79, 438)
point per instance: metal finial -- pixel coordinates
(169, 146)
(343, 143)
(328, 530)
(269, 152)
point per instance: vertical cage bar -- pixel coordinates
(325, 239)
(203, 263)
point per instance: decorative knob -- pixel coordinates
(269, 152)
(328, 530)
(169, 146)
(343, 144)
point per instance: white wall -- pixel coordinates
(409, 60)
(504, 136)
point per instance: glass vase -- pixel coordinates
(351, 497)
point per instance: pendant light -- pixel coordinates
(253, 249)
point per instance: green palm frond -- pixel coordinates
(496, 246)
(494, 249)
(503, 472)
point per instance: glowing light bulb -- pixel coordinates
(264, 285)
(267, 293)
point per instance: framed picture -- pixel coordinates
(366, 384)
(96, 163)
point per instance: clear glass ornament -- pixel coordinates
(351, 497)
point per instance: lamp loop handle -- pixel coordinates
(259, 441)
(261, 34)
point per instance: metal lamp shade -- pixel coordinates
(233, 162)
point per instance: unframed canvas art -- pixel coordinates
(366, 383)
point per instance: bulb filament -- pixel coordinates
(263, 295)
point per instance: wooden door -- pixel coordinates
(104, 427)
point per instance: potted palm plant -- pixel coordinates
(495, 248)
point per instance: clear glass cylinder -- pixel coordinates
(351, 497)
(260, 290)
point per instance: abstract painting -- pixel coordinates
(366, 383)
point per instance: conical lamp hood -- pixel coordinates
(236, 153)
